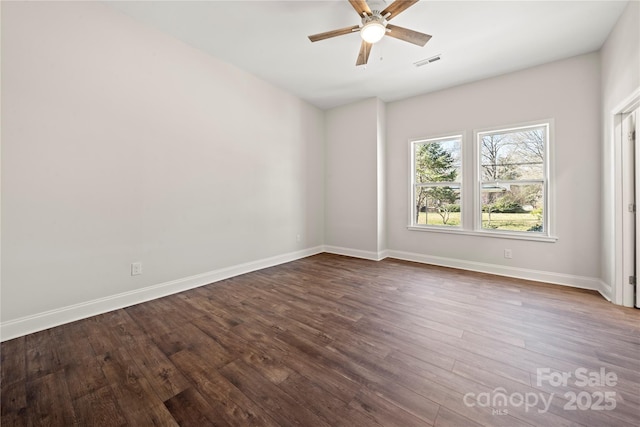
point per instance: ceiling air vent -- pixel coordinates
(427, 61)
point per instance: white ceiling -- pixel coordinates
(476, 40)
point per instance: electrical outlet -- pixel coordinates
(508, 254)
(136, 268)
(297, 238)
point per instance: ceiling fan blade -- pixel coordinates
(365, 50)
(397, 7)
(360, 6)
(334, 33)
(407, 35)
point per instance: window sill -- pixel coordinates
(494, 234)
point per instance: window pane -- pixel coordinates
(513, 155)
(438, 161)
(513, 207)
(437, 206)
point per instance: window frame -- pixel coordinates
(471, 200)
(413, 185)
(547, 182)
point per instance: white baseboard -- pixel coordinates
(574, 281)
(48, 319)
(41, 321)
(582, 282)
(605, 290)
(356, 253)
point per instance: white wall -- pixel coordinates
(120, 144)
(620, 58)
(382, 177)
(566, 91)
(353, 196)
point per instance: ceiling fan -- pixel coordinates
(375, 26)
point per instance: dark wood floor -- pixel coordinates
(331, 340)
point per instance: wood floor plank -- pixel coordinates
(99, 408)
(331, 381)
(228, 402)
(280, 406)
(332, 340)
(383, 412)
(190, 337)
(215, 305)
(189, 408)
(109, 331)
(162, 375)
(84, 375)
(41, 354)
(371, 372)
(13, 420)
(325, 405)
(137, 399)
(269, 367)
(234, 346)
(157, 415)
(447, 418)
(13, 404)
(72, 339)
(49, 402)
(13, 363)
(157, 317)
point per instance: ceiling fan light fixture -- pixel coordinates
(373, 29)
(372, 32)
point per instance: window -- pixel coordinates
(509, 171)
(513, 180)
(436, 182)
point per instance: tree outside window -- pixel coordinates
(437, 178)
(513, 179)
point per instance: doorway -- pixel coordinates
(626, 168)
(630, 189)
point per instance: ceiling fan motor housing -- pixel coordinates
(375, 16)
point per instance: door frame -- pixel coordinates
(621, 293)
